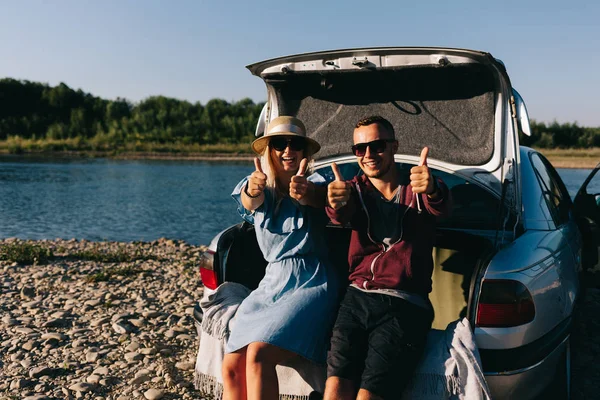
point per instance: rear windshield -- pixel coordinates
(473, 207)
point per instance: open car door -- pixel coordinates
(587, 210)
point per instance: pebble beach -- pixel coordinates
(84, 327)
(113, 321)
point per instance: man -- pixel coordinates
(382, 324)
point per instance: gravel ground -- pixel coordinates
(78, 328)
(131, 336)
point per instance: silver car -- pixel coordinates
(510, 255)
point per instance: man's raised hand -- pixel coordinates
(421, 179)
(338, 191)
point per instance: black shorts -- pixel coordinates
(377, 341)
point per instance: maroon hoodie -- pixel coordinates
(407, 264)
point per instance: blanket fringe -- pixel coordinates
(209, 387)
(433, 384)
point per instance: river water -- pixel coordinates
(101, 199)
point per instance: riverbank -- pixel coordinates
(113, 321)
(98, 320)
(560, 158)
(572, 158)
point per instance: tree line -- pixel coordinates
(31, 110)
(563, 136)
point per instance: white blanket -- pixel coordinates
(450, 367)
(296, 380)
(220, 306)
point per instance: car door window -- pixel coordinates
(587, 201)
(553, 188)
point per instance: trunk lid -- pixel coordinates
(457, 102)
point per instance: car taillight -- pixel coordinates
(504, 303)
(207, 269)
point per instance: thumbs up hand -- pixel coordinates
(257, 182)
(421, 179)
(338, 191)
(299, 185)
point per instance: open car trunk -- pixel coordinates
(459, 261)
(459, 258)
(454, 101)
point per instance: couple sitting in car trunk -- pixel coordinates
(382, 322)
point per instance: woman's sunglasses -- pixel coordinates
(295, 143)
(377, 146)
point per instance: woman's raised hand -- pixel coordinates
(299, 185)
(257, 182)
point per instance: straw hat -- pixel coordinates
(285, 126)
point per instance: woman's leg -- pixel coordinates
(234, 375)
(261, 377)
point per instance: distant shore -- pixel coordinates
(560, 158)
(572, 158)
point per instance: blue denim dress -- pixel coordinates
(295, 303)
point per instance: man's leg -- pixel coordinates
(396, 344)
(366, 395)
(345, 359)
(339, 388)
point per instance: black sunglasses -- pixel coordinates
(377, 146)
(280, 143)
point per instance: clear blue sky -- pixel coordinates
(197, 50)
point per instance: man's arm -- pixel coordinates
(435, 193)
(340, 204)
(439, 202)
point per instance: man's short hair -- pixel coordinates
(376, 119)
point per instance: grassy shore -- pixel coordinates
(572, 158)
(92, 148)
(560, 158)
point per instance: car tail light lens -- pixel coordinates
(504, 303)
(207, 269)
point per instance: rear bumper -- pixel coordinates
(524, 372)
(518, 358)
(526, 383)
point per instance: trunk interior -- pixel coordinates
(457, 257)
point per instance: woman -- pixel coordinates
(290, 312)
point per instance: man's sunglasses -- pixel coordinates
(295, 143)
(377, 146)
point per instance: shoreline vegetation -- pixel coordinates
(74, 148)
(58, 121)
